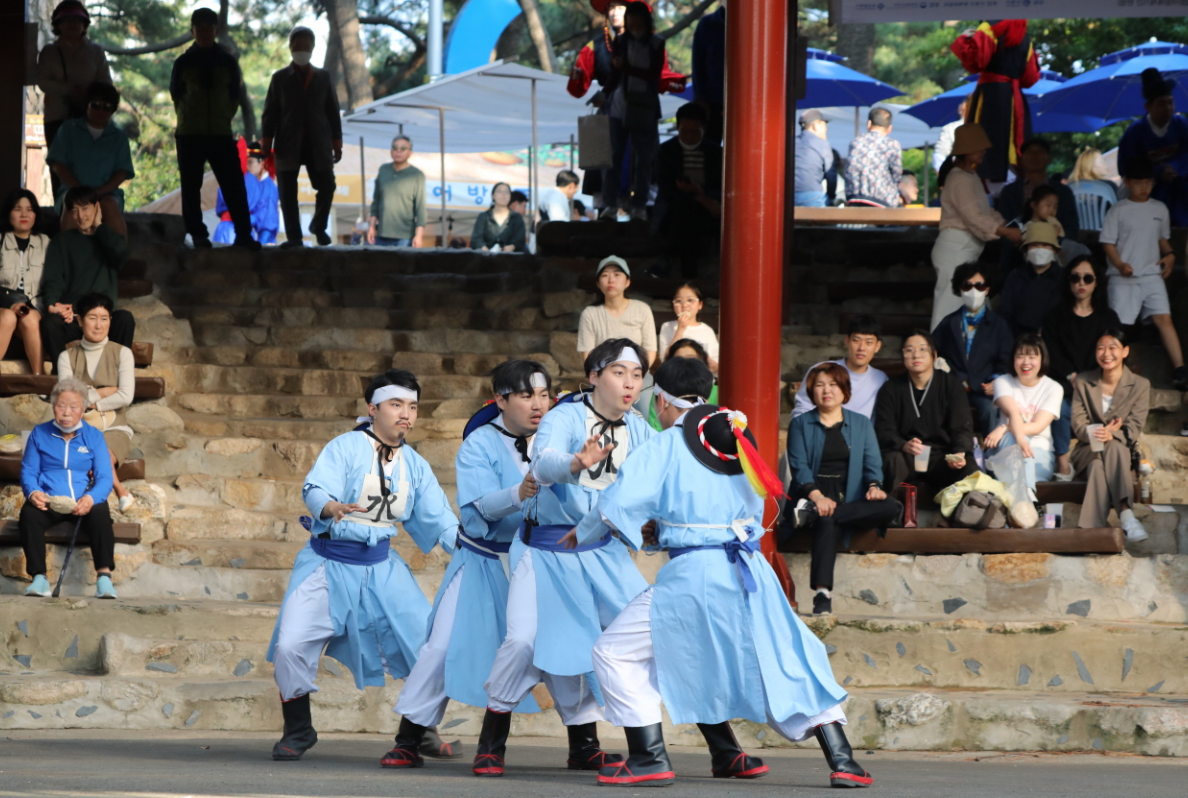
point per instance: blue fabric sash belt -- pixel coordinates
(735, 550)
(484, 548)
(351, 552)
(548, 538)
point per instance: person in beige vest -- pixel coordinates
(109, 370)
(1117, 400)
(22, 262)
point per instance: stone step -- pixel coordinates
(442, 340)
(123, 655)
(186, 453)
(224, 553)
(378, 318)
(318, 430)
(359, 261)
(201, 522)
(279, 289)
(312, 383)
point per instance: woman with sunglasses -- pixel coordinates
(1071, 332)
(93, 151)
(975, 342)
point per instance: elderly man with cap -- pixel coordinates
(1032, 293)
(561, 599)
(715, 638)
(613, 315)
(1161, 138)
(814, 157)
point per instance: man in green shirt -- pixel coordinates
(398, 204)
(80, 261)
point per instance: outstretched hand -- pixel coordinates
(591, 454)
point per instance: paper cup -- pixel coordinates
(922, 458)
(1094, 444)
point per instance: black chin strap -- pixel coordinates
(607, 424)
(384, 454)
(519, 441)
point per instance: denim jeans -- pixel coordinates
(1045, 461)
(1062, 429)
(380, 241)
(809, 199)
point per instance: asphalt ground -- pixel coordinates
(130, 764)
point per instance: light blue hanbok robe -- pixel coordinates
(571, 586)
(377, 610)
(721, 652)
(484, 464)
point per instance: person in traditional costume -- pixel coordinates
(560, 600)
(469, 617)
(715, 638)
(258, 174)
(1001, 55)
(351, 593)
(1160, 138)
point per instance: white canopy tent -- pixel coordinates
(500, 106)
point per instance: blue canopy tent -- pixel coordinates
(942, 109)
(829, 84)
(1114, 90)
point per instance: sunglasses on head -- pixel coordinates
(100, 106)
(1087, 279)
(969, 285)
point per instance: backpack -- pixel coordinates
(980, 510)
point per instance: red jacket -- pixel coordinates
(586, 70)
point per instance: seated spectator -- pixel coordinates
(94, 151)
(67, 457)
(556, 204)
(875, 164)
(23, 249)
(1071, 332)
(1042, 207)
(1136, 238)
(1036, 156)
(499, 228)
(909, 189)
(110, 372)
(864, 340)
(682, 347)
(924, 407)
(1088, 175)
(687, 303)
(83, 260)
(975, 343)
(814, 159)
(1032, 293)
(689, 188)
(580, 212)
(837, 475)
(1116, 399)
(1028, 402)
(613, 315)
(519, 203)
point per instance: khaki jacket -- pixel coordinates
(1132, 401)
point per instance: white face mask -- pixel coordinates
(973, 299)
(1040, 256)
(301, 57)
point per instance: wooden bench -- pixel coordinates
(968, 541)
(10, 469)
(10, 534)
(142, 353)
(903, 217)
(43, 384)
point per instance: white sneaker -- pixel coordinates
(1134, 529)
(126, 502)
(804, 514)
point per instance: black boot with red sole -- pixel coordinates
(434, 747)
(492, 744)
(845, 772)
(585, 752)
(299, 735)
(729, 760)
(406, 753)
(647, 762)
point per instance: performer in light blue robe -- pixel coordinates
(715, 638)
(560, 601)
(350, 593)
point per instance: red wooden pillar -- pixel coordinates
(753, 223)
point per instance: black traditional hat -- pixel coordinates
(1155, 86)
(709, 436)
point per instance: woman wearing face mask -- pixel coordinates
(1117, 400)
(1028, 402)
(975, 342)
(499, 227)
(1031, 293)
(966, 222)
(1071, 332)
(22, 262)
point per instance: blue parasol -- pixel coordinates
(830, 84)
(1114, 90)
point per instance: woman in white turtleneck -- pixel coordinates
(110, 371)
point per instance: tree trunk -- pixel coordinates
(857, 43)
(511, 41)
(333, 65)
(343, 16)
(540, 35)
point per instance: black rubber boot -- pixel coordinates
(647, 762)
(434, 747)
(729, 760)
(585, 752)
(492, 744)
(406, 752)
(844, 770)
(299, 734)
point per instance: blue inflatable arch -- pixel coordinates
(475, 32)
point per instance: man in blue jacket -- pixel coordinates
(60, 459)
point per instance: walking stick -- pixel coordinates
(69, 551)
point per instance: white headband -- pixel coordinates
(682, 404)
(392, 392)
(626, 355)
(536, 381)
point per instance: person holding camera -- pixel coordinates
(22, 261)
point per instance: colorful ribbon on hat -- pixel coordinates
(763, 480)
